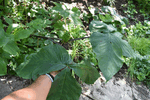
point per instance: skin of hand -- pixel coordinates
(36, 91)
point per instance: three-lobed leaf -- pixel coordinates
(53, 58)
(49, 58)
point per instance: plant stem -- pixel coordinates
(46, 37)
(79, 38)
(59, 38)
(51, 39)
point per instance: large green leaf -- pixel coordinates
(3, 67)
(86, 72)
(109, 49)
(49, 58)
(65, 87)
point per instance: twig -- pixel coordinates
(78, 38)
(87, 96)
(51, 39)
(46, 37)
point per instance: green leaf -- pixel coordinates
(108, 51)
(66, 36)
(148, 32)
(1, 27)
(39, 24)
(124, 45)
(2, 7)
(120, 19)
(3, 39)
(9, 29)
(59, 25)
(76, 20)
(75, 16)
(109, 9)
(49, 58)
(8, 20)
(64, 87)
(110, 14)
(11, 48)
(106, 18)
(3, 67)
(1, 1)
(86, 72)
(125, 20)
(12, 27)
(62, 9)
(76, 11)
(5, 54)
(99, 26)
(21, 33)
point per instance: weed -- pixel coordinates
(131, 11)
(140, 69)
(142, 45)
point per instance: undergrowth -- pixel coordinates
(138, 38)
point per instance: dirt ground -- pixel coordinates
(120, 87)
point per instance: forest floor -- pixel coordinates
(120, 87)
